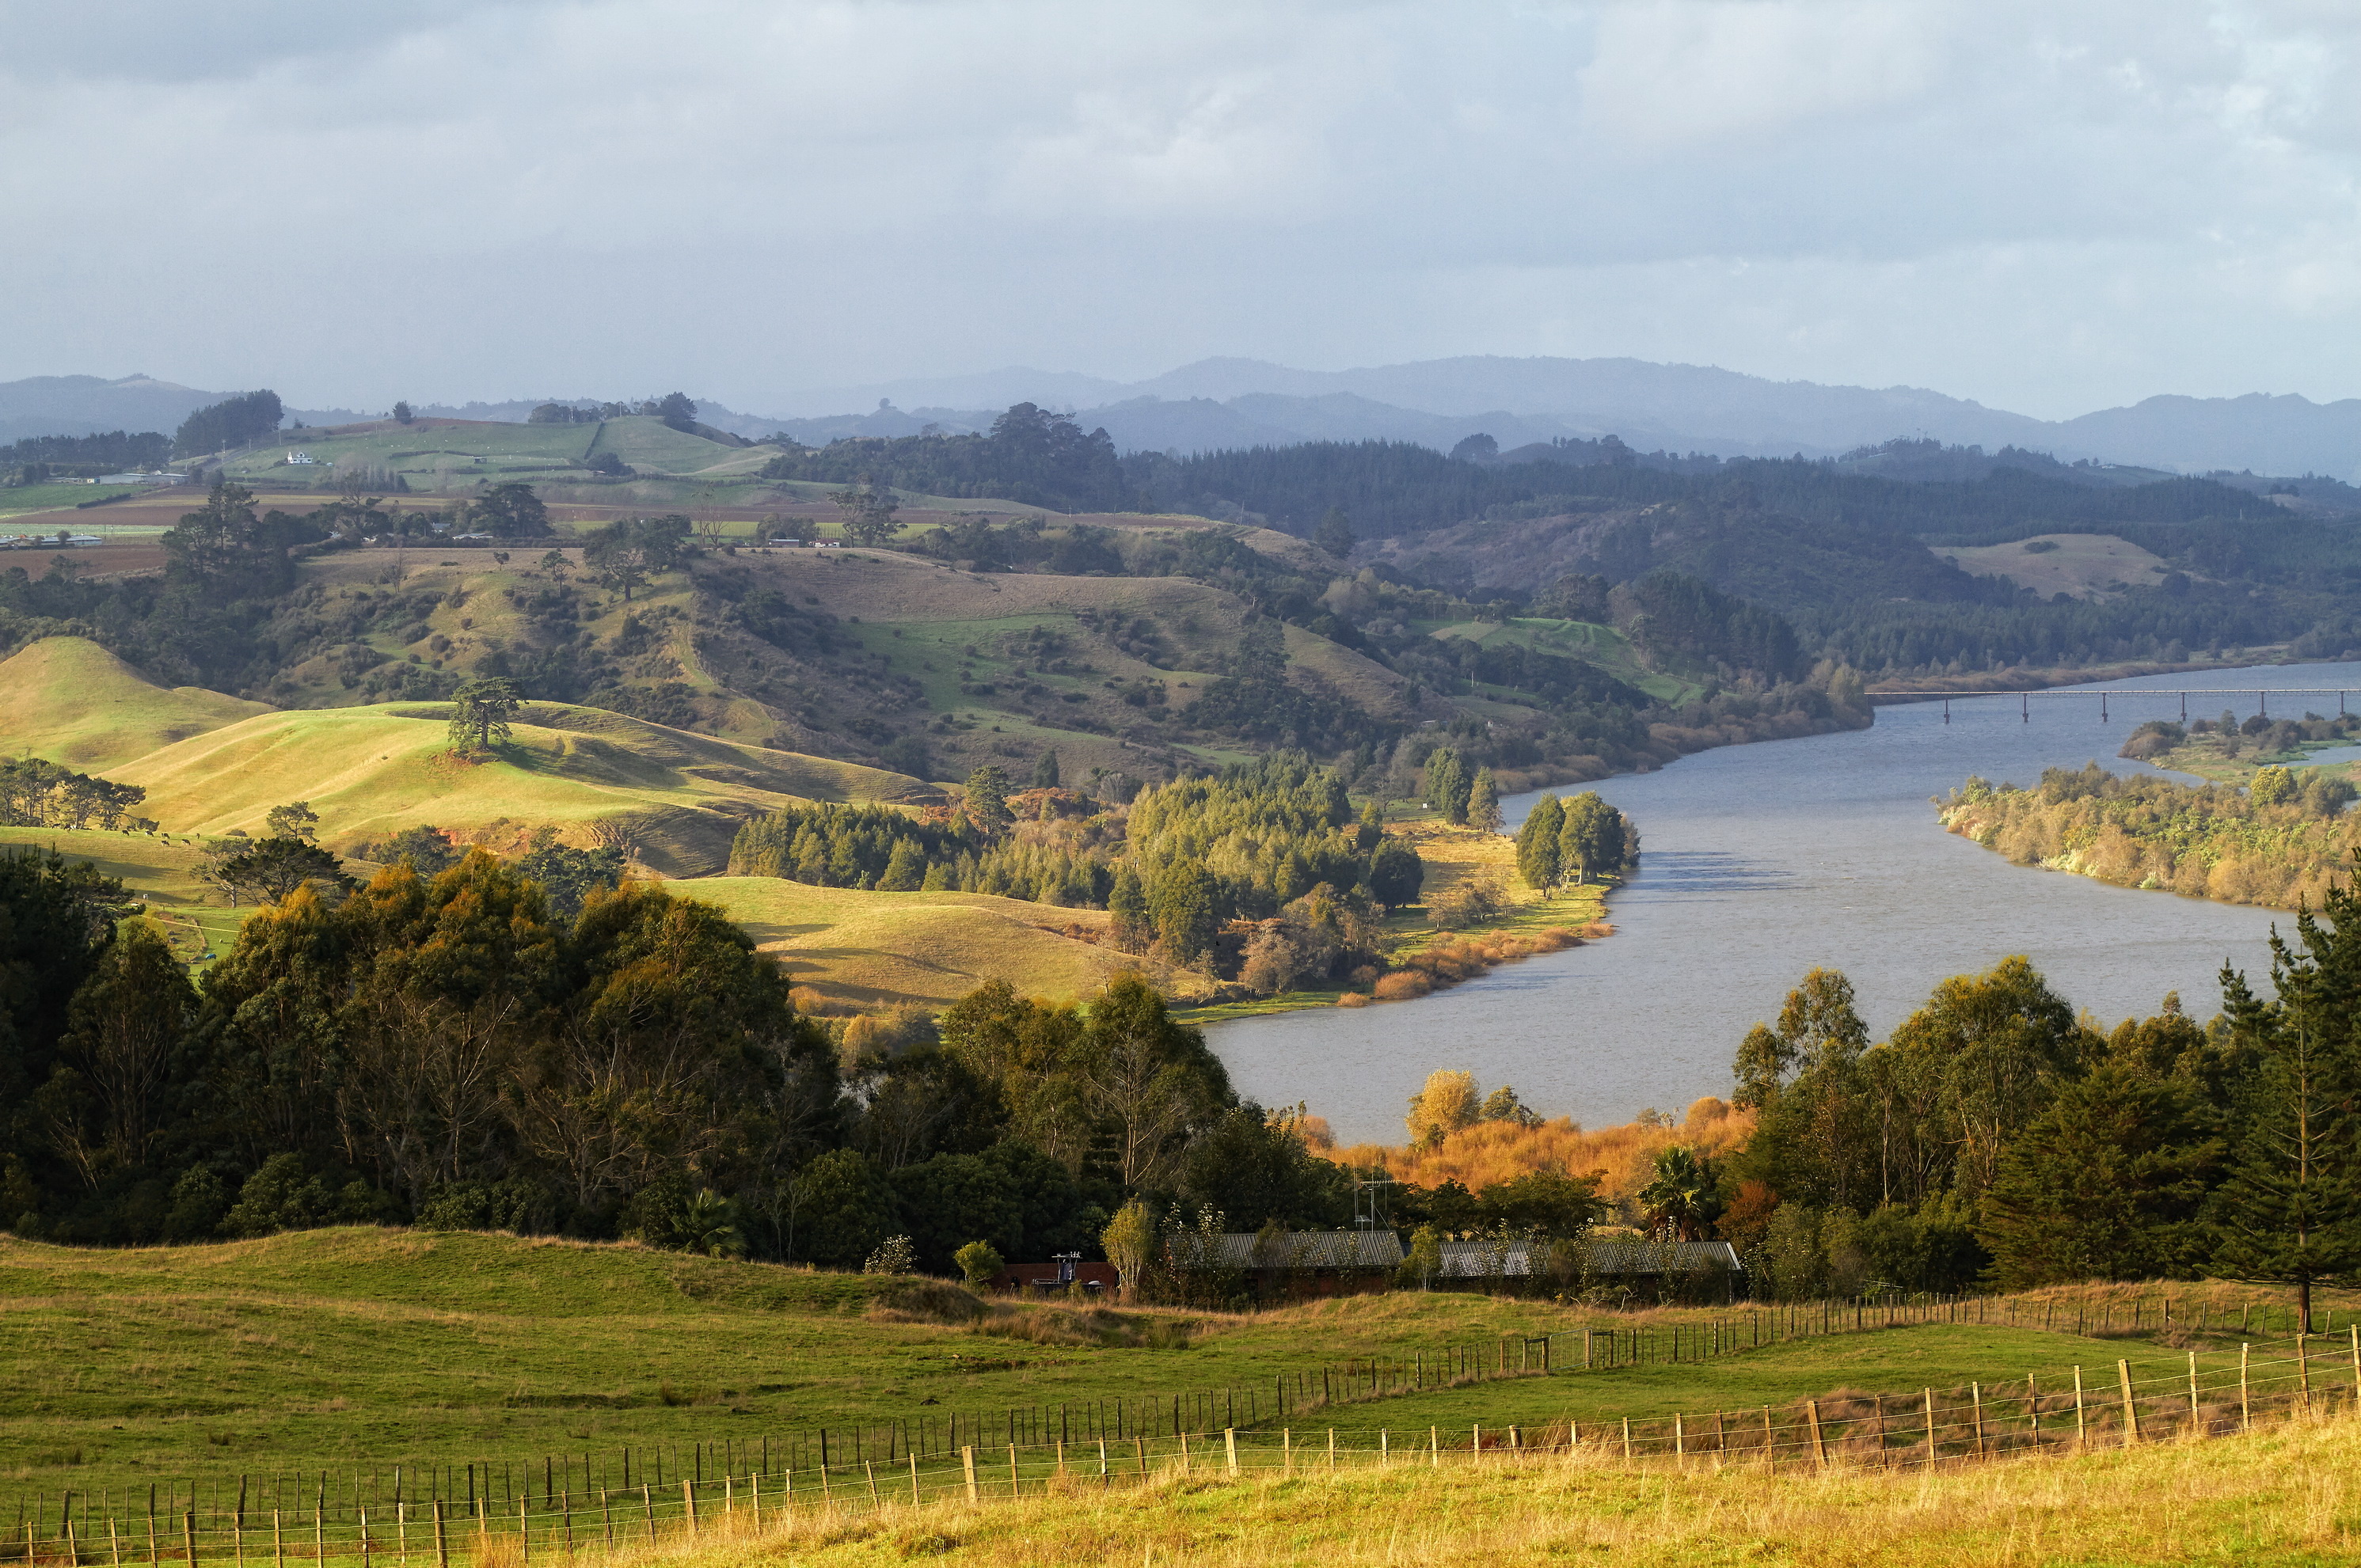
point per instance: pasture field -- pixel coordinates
(366, 1347)
(67, 700)
(445, 453)
(2082, 566)
(18, 500)
(874, 949)
(2285, 1498)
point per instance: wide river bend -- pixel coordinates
(1761, 861)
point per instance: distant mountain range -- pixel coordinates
(1231, 402)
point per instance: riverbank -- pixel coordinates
(1418, 940)
(1896, 690)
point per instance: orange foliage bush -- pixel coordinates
(1403, 986)
(1487, 1152)
(1352, 999)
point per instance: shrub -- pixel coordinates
(928, 1301)
(979, 1261)
(894, 1256)
(1401, 987)
(1352, 999)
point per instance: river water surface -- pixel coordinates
(1760, 861)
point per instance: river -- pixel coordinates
(1760, 861)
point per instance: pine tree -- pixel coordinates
(987, 799)
(905, 870)
(1484, 802)
(1045, 771)
(1447, 783)
(1128, 904)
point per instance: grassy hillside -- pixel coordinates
(2284, 1497)
(1601, 646)
(366, 1347)
(158, 869)
(67, 700)
(676, 797)
(878, 948)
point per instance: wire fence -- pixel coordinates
(2218, 1393)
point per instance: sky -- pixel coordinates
(2047, 207)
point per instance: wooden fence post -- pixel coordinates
(1770, 1443)
(967, 1464)
(1933, 1451)
(2245, 1409)
(1627, 1440)
(442, 1542)
(688, 1506)
(2081, 1429)
(2196, 1420)
(188, 1538)
(1230, 1442)
(1976, 1401)
(2131, 1410)
(1011, 1470)
(1819, 1448)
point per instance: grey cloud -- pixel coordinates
(2047, 207)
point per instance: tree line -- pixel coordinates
(233, 423)
(1997, 1137)
(1030, 457)
(37, 457)
(452, 1051)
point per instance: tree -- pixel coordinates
(1592, 840)
(401, 413)
(111, 1095)
(1680, 1197)
(1447, 783)
(509, 510)
(2291, 1209)
(1396, 873)
(1045, 770)
(225, 551)
(1128, 904)
(868, 511)
(1254, 1167)
(1448, 1103)
(985, 802)
(1130, 1243)
(978, 1263)
(1998, 1044)
(1152, 1081)
(273, 868)
(234, 421)
(482, 711)
(568, 876)
(1484, 802)
(294, 820)
(2105, 1184)
(1183, 908)
(1537, 851)
(1334, 534)
(623, 556)
(553, 565)
(678, 410)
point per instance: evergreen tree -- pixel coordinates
(1484, 802)
(1334, 534)
(987, 803)
(905, 869)
(1045, 770)
(401, 413)
(1447, 783)
(2291, 1211)
(1128, 904)
(1396, 874)
(1538, 861)
(2105, 1184)
(1182, 907)
(482, 711)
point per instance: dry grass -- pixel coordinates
(2288, 1495)
(1499, 1151)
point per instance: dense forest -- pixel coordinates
(1030, 457)
(1998, 1138)
(38, 457)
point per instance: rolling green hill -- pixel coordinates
(872, 948)
(67, 700)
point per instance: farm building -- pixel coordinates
(1301, 1263)
(1647, 1269)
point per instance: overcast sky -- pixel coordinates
(2051, 205)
